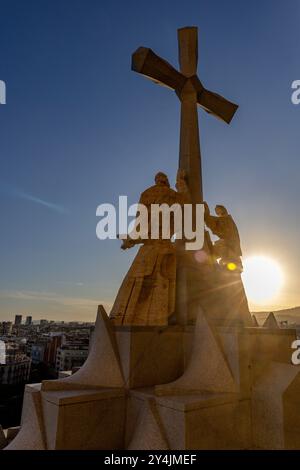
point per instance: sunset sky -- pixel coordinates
(79, 129)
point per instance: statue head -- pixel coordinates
(161, 179)
(221, 211)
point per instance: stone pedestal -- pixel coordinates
(84, 419)
(174, 392)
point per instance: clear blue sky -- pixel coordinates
(80, 128)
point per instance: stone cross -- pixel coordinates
(191, 93)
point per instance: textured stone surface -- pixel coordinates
(227, 426)
(84, 419)
(208, 369)
(147, 294)
(267, 407)
(267, 346)
(149, 433)
(291, 413)
(151, 355)
(199, 421)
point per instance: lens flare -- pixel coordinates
(231, 266)
(201, 256)
(263, 279)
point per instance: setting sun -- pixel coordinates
(263, 278)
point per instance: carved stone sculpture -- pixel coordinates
(147, 294)
(228, 248)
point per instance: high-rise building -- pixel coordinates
(18, 320)
(28, 321)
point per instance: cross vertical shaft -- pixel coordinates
(189, 148)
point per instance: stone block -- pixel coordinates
(202, 421)
(269, 345)
(291, 413)
(84, 419)
(250, 351)
(152, 355)
(267, 405)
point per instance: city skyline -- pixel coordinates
(79, 129)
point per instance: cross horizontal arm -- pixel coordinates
(146, 62)
(216, 105)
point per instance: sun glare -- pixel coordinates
(263, 279)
